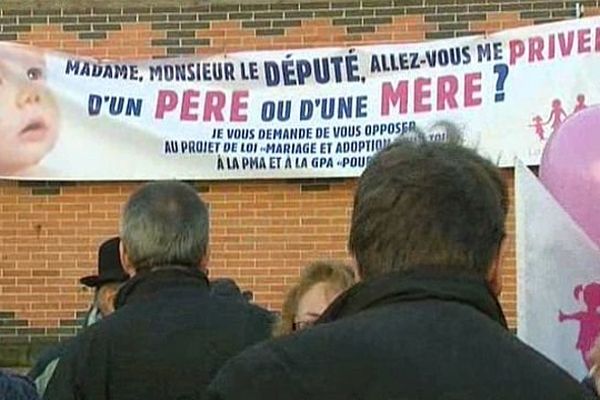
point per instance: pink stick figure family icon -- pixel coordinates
(557, 116)
(589, 319)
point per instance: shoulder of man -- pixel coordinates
(261, 315)
(537, 368)
(74, 365)
(257, 373)
(252, 322)
(46, 358)
(42, 380)
(16, 387)
(589, 383)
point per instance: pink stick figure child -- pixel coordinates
(538, 124)
(556, 115)
(589, 319)
(580, 104)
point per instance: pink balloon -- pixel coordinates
(570, 169)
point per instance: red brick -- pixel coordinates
(487, 26)
(503, 16)
(46, 28)
(47, 323)
(231, 25)
(16, 289)
(515, 24)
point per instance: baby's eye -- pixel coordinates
(35, 73)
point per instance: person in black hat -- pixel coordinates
(106, 285)
(107, 282)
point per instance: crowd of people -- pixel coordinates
(415, 317)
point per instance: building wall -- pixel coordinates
(263, 232)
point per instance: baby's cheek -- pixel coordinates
(49, 104)
(8, 134)
(10, 115)
(8, 97)
(6, 112)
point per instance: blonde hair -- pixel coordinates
(337, 275)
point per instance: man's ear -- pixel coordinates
(203, 264)
(494, 277)
(127, 266)
(354, 265)
(108, 298)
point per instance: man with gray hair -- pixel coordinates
(168, 336)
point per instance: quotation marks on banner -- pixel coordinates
(502, 71)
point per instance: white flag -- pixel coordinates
(558, 268)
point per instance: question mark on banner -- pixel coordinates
(502, 71)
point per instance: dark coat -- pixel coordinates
(45, 358)
(166, 340)
(418, 336)
(45, 365)
(16, 387)
(589, 383)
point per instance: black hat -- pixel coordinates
(110, 268)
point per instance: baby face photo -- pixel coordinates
(29, 114)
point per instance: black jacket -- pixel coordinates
(590, 384)
(419, 336)
(16, 387)
(44, 367)
(166, 340)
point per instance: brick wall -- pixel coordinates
(263, 232)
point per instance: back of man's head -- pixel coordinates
(431, 205)
(164, 223)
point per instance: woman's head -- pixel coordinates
(320, 283)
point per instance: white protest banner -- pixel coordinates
(285, 114)
(558, 267)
